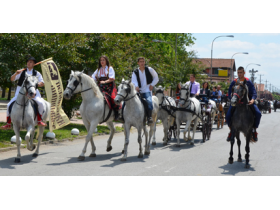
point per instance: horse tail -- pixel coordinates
(48, 111)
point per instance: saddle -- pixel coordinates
(33, 104)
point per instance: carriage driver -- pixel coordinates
(20, 76)
(252, 97)
(144, 80)
(194, 86)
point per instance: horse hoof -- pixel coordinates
(35, 155)
(147, 153)
(17, 160)
(154, 143)
(109, 149)
(123, 152)
(191, 143)
(178, 145)
(239, 160)
(91, 155)
(247, 166)
(34, 146)
(230, 161)
(140, 156)
(81, 158)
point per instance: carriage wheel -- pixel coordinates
(204, 131)
(175, 131)
(209, 127)
(218, 122)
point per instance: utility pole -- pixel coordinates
(253, 75)
(260, 85)
(265, 90)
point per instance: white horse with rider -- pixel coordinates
(93, 109)
(134, 115)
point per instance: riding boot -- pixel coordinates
(255, 135)
(40, 122)
(149, 117)
(8, 125)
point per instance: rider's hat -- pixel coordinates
(31, 58)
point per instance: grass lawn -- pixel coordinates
(63, 133)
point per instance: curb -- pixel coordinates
(6, 149)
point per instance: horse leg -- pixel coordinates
(146, 140)
(27, 138)
(140, 144)
(230, 160)
(112, 132)
(178, 132)
(187, 128)
(126, 141)
(194, 130)
(238, 143)
(16, 130)
(151, 132)
(218, 122)
(154, 136)
(92, 128)
(165, 130)
(41, 132)
(247, 148)
(93, 148)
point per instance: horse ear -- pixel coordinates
(129, 81)
(122, 79)
(72, 72)
(26, 75)
(245, 81)
(163, 88)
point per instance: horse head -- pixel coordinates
(184, 94)
(125, 89)
(159, 93)
(73, 85)
(30, 84)
(240, 91)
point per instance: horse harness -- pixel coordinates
(128, 91)
(167, 108)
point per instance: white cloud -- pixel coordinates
(234, 44)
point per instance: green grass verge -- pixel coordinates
(63, 133)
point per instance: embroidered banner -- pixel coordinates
(54, 91)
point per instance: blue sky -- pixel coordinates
(263, 49)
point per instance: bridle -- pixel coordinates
(185, 99)
(163, 96)
(238, 96)
(127, 90)
(76, 84)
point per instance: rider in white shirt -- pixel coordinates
(20, 75)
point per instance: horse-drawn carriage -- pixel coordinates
(276, 105)
(264, 106)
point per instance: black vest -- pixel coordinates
(149, 76)
(22, 76)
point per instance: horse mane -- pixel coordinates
(86, 80)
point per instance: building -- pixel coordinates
(222, 69)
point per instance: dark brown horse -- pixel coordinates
(242, 120)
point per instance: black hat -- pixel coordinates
(31, 58)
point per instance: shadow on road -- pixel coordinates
(10, 162)
(235, 168)
(100, 157)
(129, 159)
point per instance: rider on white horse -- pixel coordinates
(144, 80)
(20, 76)
(194, 86)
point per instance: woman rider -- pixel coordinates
(104, 76)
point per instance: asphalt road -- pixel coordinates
(201, 159)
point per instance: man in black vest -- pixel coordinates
(20, 76)
(144, 79)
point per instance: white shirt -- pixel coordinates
(103, 73)
(219, 94)
(142, 75)
(40, 79)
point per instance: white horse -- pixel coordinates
(23, 116)
(93, 110)
(134, 115)
(166, 114)
(187, 103)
